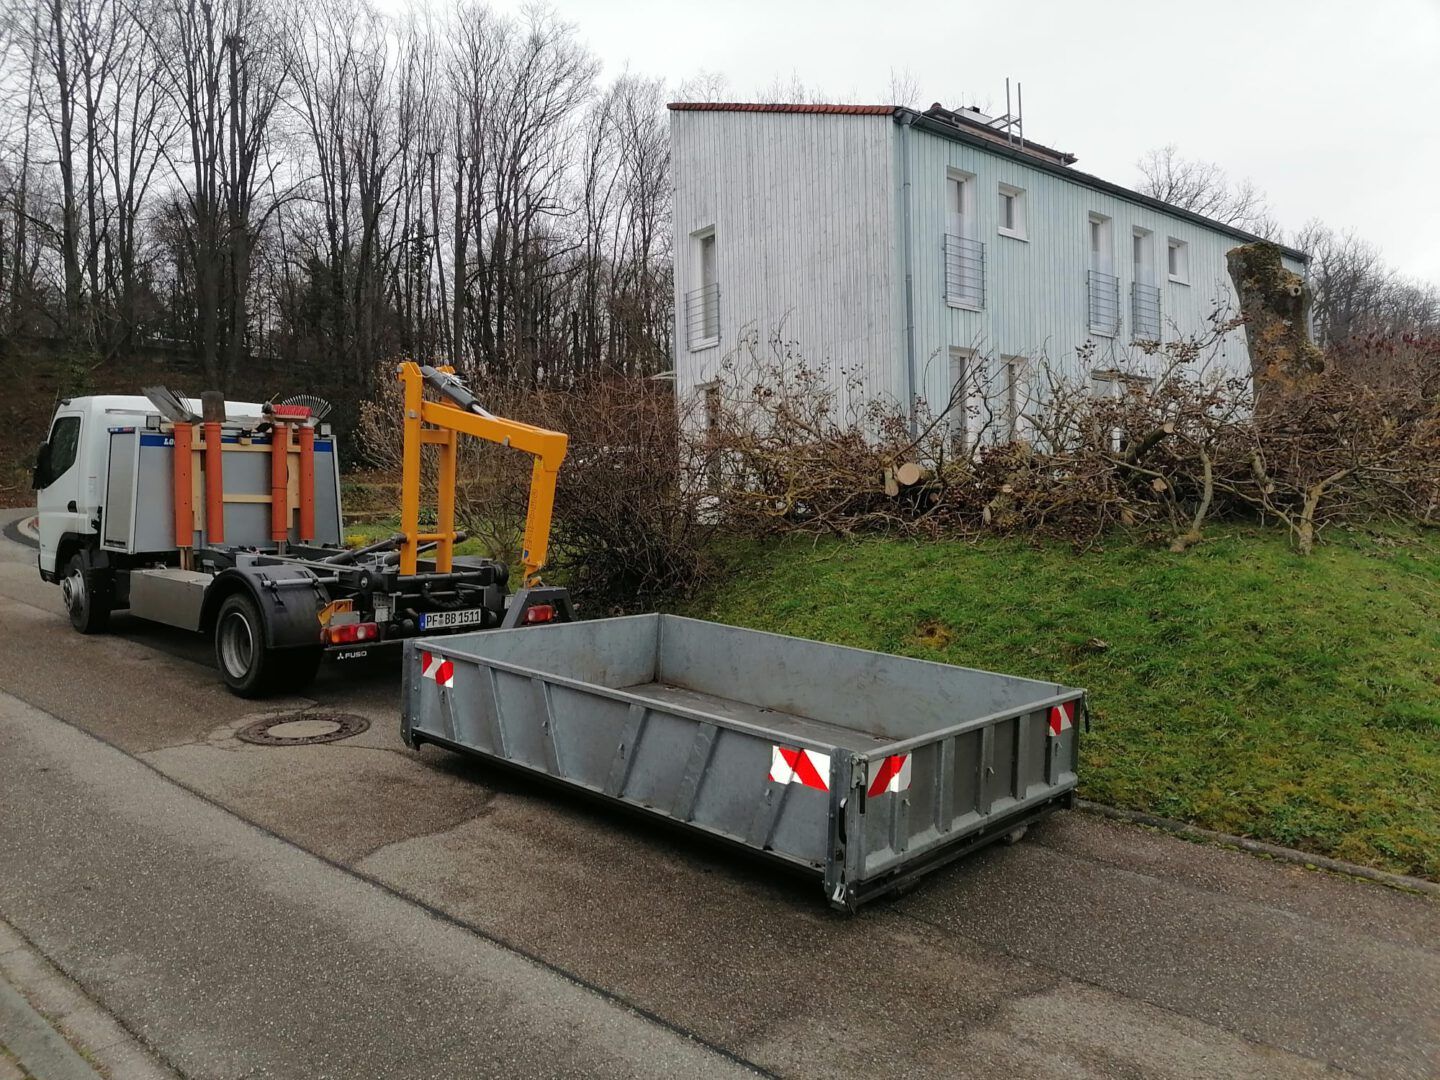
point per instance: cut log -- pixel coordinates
(910, 473)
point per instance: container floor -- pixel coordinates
(803, 726)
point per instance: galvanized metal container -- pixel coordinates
(861, 767)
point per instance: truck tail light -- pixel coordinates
(350, 633)
(539, 613)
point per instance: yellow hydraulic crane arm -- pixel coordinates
(441, 424)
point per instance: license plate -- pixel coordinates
(443, 620)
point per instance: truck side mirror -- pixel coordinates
(41, 478)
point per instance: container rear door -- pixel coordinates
(942, 792)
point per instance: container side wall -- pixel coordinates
(891, 697)
(606, 652)
(679, 767)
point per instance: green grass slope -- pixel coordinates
(1240, 686)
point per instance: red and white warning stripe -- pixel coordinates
(789, 765)
(1062, 717)
(811, 768)
(437, 668)
(891, 774)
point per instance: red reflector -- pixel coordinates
(540, 613)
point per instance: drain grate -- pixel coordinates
(302, 728)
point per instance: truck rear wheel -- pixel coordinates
(87, 597)
(249, 667)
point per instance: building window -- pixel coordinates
(713, 405)
(960, 203)
(1143, 255)
(1103, 286)
(702, 305)
(1012, 212)
(1101, 253)
(1144, 294)
(964, 255)
(714, 410)
(969, 403)
(1017, 396)
(1114, 383)
(1178, 265)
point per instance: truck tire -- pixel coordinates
(87, 596)
(249, 667)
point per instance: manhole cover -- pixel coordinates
(302, 729)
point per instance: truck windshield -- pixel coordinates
(64, 444)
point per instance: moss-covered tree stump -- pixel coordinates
(1276, 305)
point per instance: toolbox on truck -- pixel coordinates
(859, 767)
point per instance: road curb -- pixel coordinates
(42, 1051)
(1402, 882)
(24, 531)
(56, 1030)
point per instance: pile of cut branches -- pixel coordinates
(1163, 452)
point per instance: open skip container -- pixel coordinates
(862, 768)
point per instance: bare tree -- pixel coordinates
(58, 90)
(1358, 294)
(903, 88)
(225, 68)
(331, 184)
(519, 89)
(21, 56)
(343, 77)
(703, 86)
(1204, 188)
(138, 125)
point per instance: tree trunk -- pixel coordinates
(1275, 304)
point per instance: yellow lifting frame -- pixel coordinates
(441, 424)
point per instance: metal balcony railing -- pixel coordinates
(1144, 311)
(1104, 303)
(702, 316)
(964, 271)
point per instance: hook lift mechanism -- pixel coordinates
(440, 424)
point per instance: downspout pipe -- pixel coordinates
(906, 118)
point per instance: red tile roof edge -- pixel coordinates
(740, 106)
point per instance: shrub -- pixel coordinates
(772, 447)
(628, 524)
(1164, 454)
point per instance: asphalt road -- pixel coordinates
(358, 909)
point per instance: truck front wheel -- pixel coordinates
(87, 596)
(249, 667)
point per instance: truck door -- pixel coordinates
(59, 494)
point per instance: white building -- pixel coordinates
(904, 251)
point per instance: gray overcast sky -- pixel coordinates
(1331, 106)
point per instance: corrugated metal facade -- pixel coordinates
(1036, 289)
(809, 214)
(802, 207)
